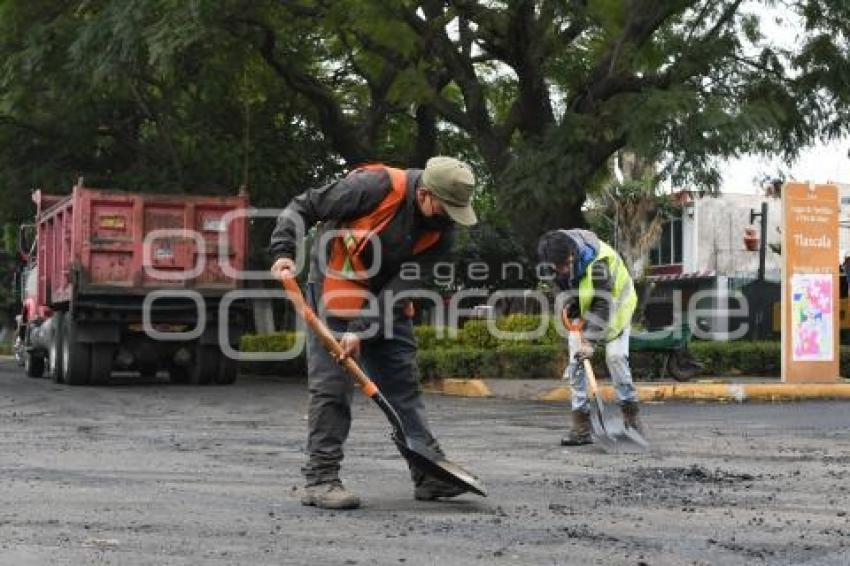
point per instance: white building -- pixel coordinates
(703, 249)
(708, 236)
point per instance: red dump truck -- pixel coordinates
(133, 282)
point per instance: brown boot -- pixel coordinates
(330, 495)
(630, 412)
(580, 434)
(431, 488)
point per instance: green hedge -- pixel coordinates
(524, 361)
(749, 358)
(476, 334)
(276, 342)
(512, 362)
(474, 352)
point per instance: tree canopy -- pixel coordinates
(204, 95)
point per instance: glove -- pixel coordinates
(584, 352)
(283, 267)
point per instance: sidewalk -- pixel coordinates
(738, 389)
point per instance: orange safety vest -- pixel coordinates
(346, 283)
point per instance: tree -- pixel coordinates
(547, 91)
(143, 95)
(636, 209)
(538, 94)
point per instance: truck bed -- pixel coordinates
(95, 242)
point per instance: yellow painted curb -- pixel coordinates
(460, 387)
(744, 392)
(722, 392)
(667, 391)
(556, 394)
(563, 394)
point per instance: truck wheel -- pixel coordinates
(101, 363)
(148, 371)
(205, 367)
(178, 374)
(228, 368)
(33, 364)
(76, 355)
(54, 352)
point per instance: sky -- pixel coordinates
(821, 163)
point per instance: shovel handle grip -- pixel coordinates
(327, 338)
(577, 326)
(591, 378)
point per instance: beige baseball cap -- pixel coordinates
(452, 182)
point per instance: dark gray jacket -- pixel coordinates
(352, 197)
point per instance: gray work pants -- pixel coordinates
(390, 362)
(617, 359)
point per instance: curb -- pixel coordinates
(459, 387)
(654, 392)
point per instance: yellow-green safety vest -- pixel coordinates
(623, 291)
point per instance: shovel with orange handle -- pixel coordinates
(416, 452)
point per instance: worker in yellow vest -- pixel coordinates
(600, 294)
(382, 222)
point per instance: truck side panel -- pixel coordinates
(93, 242)
(55, 251)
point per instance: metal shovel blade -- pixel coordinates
(427, 460)
(612, 435)
(598, 430)
(625, 439)
(439, 467)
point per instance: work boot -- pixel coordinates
(630, 412)
(430, 488)
(329, 495)
(580, 434)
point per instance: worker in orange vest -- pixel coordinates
(390, 229)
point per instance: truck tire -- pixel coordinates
(54, 352)
(101, 363)
(76, 355)
(205, 367)
(228, 369)
(178, 374)
(33, 364)
(148, 371)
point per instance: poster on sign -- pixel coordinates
(812, 318)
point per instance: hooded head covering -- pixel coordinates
(556, 246)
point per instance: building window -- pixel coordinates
(668, 250)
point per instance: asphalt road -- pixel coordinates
(159, 474)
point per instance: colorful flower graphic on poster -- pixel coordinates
(812, 318)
